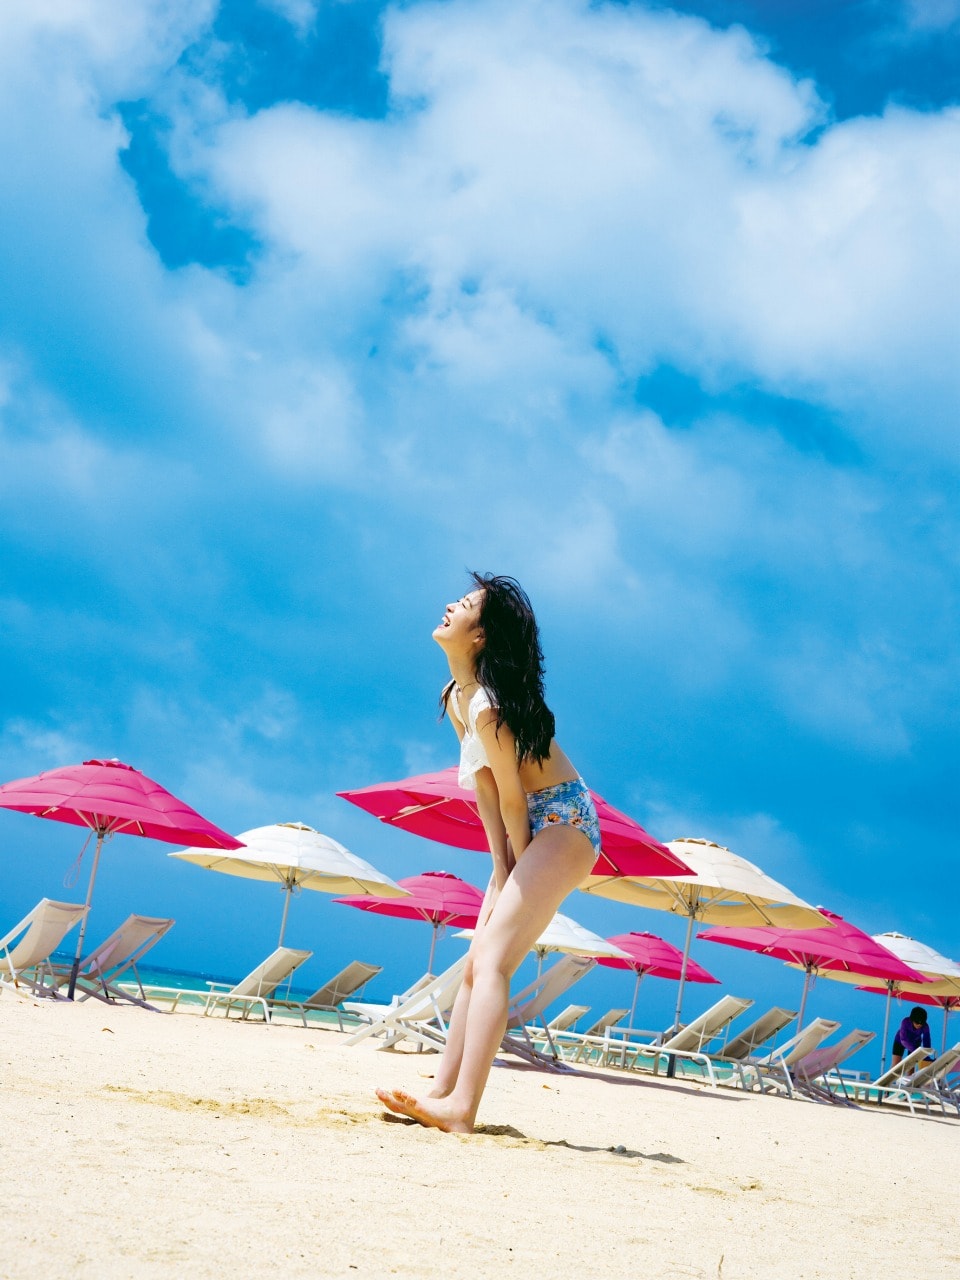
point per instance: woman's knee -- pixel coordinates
(490, 964)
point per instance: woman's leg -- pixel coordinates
(552, 865)
(449, 1067)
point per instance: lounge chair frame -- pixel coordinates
(329, 998)
(26, 965)
(102, 968)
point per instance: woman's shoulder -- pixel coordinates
(480, 700)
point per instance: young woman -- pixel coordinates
(539, 820)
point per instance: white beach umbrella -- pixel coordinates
(726, 889)
(296, 857)
(942, 989)
(566, 935)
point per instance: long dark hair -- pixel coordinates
(510, 665)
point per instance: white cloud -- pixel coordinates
(861, 696)
(117, 47)
(39, 746)
(608, 172)
(453, 304)
(301, 14)
(930, 17)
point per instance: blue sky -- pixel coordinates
(308, 307)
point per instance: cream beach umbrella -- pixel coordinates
(296, 857)
(724, 889)
(566, 935)
(941, 988)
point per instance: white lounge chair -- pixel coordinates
(774, 1070)
(330, 997)
(102, 968)
(756, 1035)
(529, 1004)
(891, 1083)
(257, 987)
(25, 952)
(926, 1084)
(421, 1017)
(689, 1043)
(932, 1078)
(581, 1046)
(610, 1019)
(565, 1019)
(370, 1010)
(810, 1075)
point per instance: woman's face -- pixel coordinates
(461, 621)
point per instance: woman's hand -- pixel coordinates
(501, 749)
(488, 806)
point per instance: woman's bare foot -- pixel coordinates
(432, 1113)
(386, 1096)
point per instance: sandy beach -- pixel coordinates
(141, 1145)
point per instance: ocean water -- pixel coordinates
(196, 985)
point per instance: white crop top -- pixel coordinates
(473, 754)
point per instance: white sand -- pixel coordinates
(142, 1145)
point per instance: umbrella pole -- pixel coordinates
(943, 1042)
(886, 1028)
(83, 923)
(433, 946)
(636, 992)
(287, 895)
(807, 979)
(683, 969)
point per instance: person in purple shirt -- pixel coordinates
(913, 1033)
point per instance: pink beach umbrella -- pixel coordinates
(947, 1003)
(941, 988)
(842, 951)
(438, 897)
(109, 797)
(649, 954)
(435, 806)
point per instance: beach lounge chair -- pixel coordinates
(330, 997)
(809, 1074)
(25, 952)
(940, 1078)
(257, 987)
(688, 1044)
(565, 1019)
(610, 1019)
(927, 1084)
(528, 1005)
(580, 1046)
(102, 968)
(421, 1017)
(369, 1011)
(773, 1071)
(891, 1083)
(729, 1059)
(756, 1035)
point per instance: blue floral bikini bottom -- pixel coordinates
(566, 804)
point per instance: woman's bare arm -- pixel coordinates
(488, 803)
(501, 751)
(488, 806)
